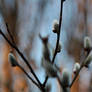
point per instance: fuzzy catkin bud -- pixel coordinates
(88, 59)
(65, 80)
(55, 26)
(87, 43)
(48, 88)
(12, 60)
(76, 68)
(59, 47)
(50, 68)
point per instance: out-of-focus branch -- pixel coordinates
(58, 38)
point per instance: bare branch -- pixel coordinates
(75, 77)
(11, 36)
(28, 76)
(58, 35)
(22, 56)
(58, 38)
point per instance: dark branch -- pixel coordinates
(28, 75)
(22, 56)
(82, 65)
(58, 35)
(75, 76)
(10, 34)
(58, 38)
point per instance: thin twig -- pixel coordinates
(75, 77)
(58, 38)
(10, 34)
(22, 56)
(86, 33)
(28, 75)
(58, 35)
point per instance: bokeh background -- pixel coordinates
(28, 18)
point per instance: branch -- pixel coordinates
(28, 76)
(58, 38)
(22, 56)
(10, 34)
(58, 34)
(75, 76)
(88, 50)
(82, 65)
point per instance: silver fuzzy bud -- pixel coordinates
(87, 43)
(50, 68)
(59, 47)
(12, 60)
(48, 88)
(76, 68)
(65, 79)
(55, 28)
(88, 59)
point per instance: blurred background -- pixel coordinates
(28, 18)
